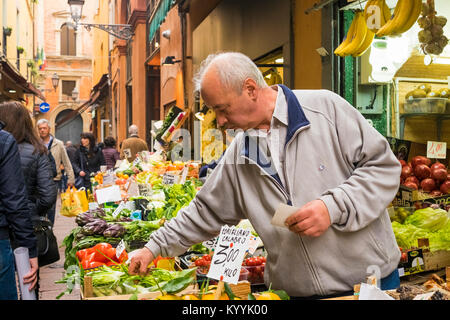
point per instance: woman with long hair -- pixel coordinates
(36, 166)
(88, 159)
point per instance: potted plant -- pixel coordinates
(7, 31)
(20, 50)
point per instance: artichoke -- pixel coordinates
(84, 218)
(96, 226)
(114, 231)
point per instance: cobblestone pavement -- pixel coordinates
(49, 274)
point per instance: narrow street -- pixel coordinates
(51, 273)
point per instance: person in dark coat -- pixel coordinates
(34, 160)
(110, 152)
(15, 218)
(88, 159)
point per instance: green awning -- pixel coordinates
(159, 17)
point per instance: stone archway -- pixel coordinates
(85, 116)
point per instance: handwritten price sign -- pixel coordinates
(436, 150)
(229, 253)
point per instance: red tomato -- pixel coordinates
(82, 254)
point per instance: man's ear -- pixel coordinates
(250, 88)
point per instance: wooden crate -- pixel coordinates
(436, 260)
(241, 290)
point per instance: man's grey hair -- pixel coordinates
(42, 121)
(233, 69)
(133, 129)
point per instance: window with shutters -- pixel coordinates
(68, 40)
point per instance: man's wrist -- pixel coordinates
(153, 248)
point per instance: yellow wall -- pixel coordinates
(100, 43)
(307, 38)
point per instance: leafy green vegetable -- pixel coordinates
(429, 219)
(184, 279)
(407, 234)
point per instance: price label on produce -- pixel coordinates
(436, 150)
(210, 244)
(229, 253)
(119, 249)
(168, 179)
(119, 209)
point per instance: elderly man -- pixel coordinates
(322, 157)
(130, 147)
(58, 151)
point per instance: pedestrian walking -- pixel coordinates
(40, 186)
(110, 152)
(131, 146)
(88, 159)
(59, 154)
(15, 218)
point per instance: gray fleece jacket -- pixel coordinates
(332, 154)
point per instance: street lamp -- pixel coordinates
(55, 81)
(121, 31)
(76, 9)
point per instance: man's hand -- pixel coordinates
(311, 220)
(31, 276)
(139, 261)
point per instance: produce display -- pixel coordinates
(431, 37)
(109, 281)
(422, 174)
(99, 255)
(425, 99)
(405, 15)
(376, 20)
(359, 38)
(432, 223)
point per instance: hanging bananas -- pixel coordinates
(358, 39)
(376, 14)
(406, 13)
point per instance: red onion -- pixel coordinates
(437, 165)
(445, 187)
(402, 162)
(420, 160)
(428, 185)
(412, 179)
(439, 174)
(422, 171)
(406, 172)
(411, 185)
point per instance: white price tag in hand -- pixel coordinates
(229, 254)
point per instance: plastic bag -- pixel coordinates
(73, 202)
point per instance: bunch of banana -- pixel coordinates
(405, 15)
(432, 39)
(358, 39)
(376, 13)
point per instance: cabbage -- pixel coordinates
(407, 234)
(440, 240)
(429, 219)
